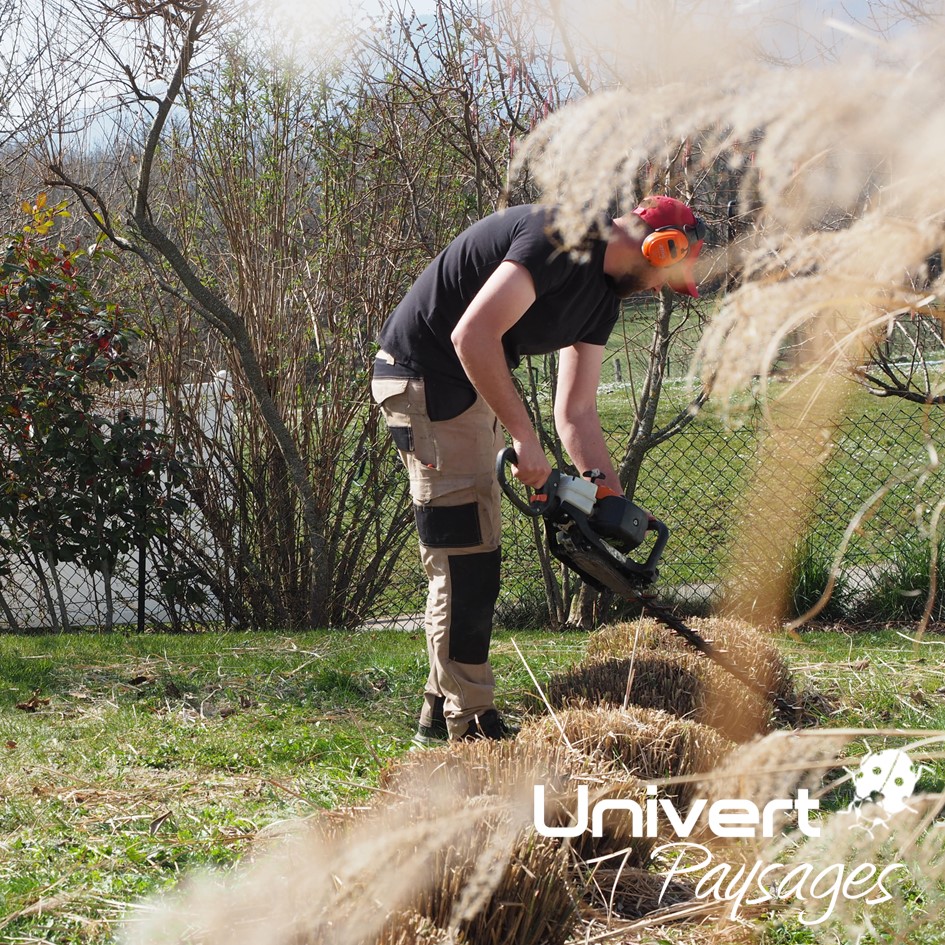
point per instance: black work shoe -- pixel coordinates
(489, 725)
(428, 736)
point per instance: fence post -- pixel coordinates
(142, 564)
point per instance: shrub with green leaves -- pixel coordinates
(83, 480)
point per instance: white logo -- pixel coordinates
(732, 817)
(883, 783)
(888, 778)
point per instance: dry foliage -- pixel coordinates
(687, 685)
(646, 743)
(482, 768)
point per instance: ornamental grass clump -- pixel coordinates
(497, 883)
(688, 686)
(744, 645)
(646, 743)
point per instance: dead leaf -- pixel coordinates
(158, 822)
(33, 704)
(11, 745)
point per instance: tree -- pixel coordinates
(286, 210)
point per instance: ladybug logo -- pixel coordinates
(887, 779)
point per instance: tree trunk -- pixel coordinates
(8, 614)
(44, 587)
(109, 601)
(57, 584)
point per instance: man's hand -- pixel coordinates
(532, 468)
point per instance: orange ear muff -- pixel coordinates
(666, 246)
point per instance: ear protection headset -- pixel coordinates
(670, 244)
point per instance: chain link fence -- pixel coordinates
(881, 484)
(879, 497)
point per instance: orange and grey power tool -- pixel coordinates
(591, 529)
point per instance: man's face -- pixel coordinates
(654, 278)
(627, 284)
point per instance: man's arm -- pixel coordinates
(504, 298)
(576, 416)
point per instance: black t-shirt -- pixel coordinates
(574, 300)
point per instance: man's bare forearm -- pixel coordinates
(583, 439)
(483, 361)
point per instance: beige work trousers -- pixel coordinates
(456, 498)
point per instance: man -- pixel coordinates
(503, 289)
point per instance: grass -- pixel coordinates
(131, 759)
(127, 761)
(878, 679)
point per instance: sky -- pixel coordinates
(793, 26)
(793, 29)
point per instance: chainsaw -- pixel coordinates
(592, 530)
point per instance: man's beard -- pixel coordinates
(625, 285)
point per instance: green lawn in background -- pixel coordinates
(693, 481)
(126, 761)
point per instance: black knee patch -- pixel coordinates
(448, 526)
(403, 438)
(474, 588)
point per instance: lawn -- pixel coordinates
(129, 760)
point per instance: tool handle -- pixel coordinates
(656, 552)
(538, 503)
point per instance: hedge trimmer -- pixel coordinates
(592, 530)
